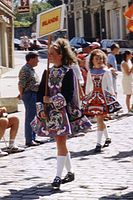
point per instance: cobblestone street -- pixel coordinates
(106, 176)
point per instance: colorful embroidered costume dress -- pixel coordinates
(61, 91)
(100, 98)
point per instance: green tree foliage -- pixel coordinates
(26, 19)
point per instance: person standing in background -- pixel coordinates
(112, 64)
(86, 49)
(82, 61)
(28, 87)
(80, 80)
(25, 43)
(127, 79)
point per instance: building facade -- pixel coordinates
(101, 19)
(6, 34)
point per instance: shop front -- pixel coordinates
(6, 34)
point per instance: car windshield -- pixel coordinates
(125, 44)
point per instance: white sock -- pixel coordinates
(105, 131)
(11, 143)
(60, 165)
(68, 163)
(99, 137)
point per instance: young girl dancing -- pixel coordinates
(61, 93)
(100, 99)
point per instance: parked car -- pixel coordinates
(42, 41)
(36, 45)
(43, 53)
(124, 45)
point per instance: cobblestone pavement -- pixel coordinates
(106, 176)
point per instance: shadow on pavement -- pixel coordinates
(49, 158)
(36, 192)
(6, 183)
(121, 155)
(122, 116)
(82, 153)
(118, 197)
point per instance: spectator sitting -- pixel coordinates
(11, 122)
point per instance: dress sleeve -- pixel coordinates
(41, 91)
(78, 73)
(68, 86)
(107, 83)
(89, 83)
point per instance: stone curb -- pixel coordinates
(11, 103)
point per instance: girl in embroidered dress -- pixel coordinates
(100, 99)
(127, 79)
(61, 92)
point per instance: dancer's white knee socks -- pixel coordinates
(60, 165)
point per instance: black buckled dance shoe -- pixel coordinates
(56, 183)
(98, 149)
(68, 178)
(107, 142)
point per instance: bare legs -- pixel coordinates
(12, 123)
(3, 126)
(61, 145)
(128, 99)
(100, 122)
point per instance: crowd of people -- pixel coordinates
(81, 84)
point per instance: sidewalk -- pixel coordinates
(105, 176)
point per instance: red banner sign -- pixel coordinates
(24, 6)
(24, 3)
